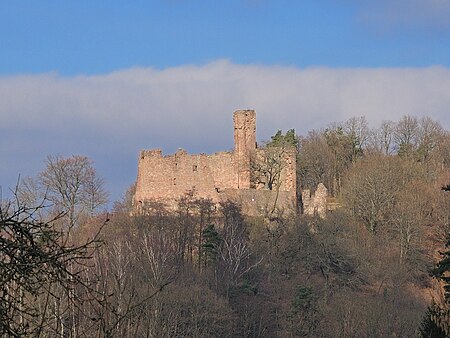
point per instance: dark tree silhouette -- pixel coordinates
(36, 259)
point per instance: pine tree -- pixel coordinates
(428, 327)
(280, 140)
(211, 243)
(442, 270)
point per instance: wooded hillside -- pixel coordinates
(375, 267)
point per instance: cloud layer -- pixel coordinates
(111, 117)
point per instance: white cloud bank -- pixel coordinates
(111, 117)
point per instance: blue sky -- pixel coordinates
(92, 37)
(109, 78)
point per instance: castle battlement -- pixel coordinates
(150, 153)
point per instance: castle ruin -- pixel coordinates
(229, 175)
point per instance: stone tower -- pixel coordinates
(244, 144)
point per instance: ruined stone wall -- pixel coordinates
(220, 176)
(289, 172)
(170, 177)
(317, 203)
(262, 202)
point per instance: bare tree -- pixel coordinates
(73, 186)
(412, 213)
(406, 136)
(357, 131)
(268, 162)
(315, 161)
(158, 258)
(381, 139)
(429, 135)
(266, 167)
(343, 152)
(236, 258)
(370, 190)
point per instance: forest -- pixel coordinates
(376, 266)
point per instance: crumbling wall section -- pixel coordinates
(274, 164)
(317, 203)
(289, 172)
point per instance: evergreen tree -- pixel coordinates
(428, 327)
(442, 270)
(211, 243)
(280, 140)
(304, 316)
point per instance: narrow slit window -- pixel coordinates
(194, 167)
